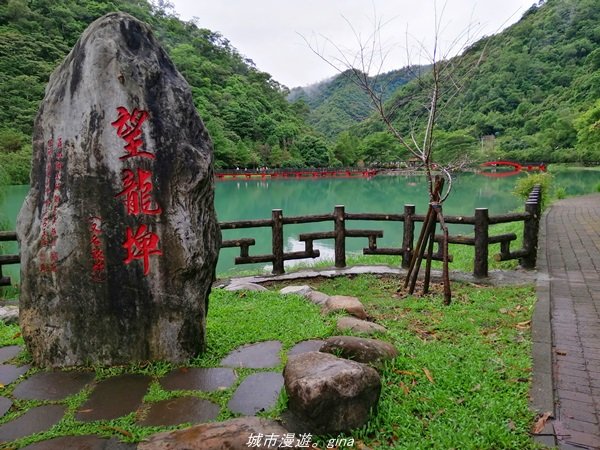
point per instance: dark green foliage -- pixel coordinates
(338, 103)
(533, 97)
(245, 110)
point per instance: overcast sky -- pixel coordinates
(273, 33)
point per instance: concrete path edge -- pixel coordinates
(542, 388)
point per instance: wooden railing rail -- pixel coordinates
(481, 239)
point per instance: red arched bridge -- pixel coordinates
(516, 166)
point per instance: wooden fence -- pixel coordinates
(481, 238)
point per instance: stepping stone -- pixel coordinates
(359, 326)
(363, 350)
(351, 305)
(302, 291)
(114, 397)
(9, 373)
(180, 410)
(262, 355)
(9, 352)
(232, 434)
(52, 385)
(5, 404)
(312, 345)
(33, 421)
(81, 443)
(194, 379)
(258, 392)
(246, 287)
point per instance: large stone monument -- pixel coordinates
(119, 238)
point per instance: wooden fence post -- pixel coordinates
(408, 235)
(340, 236)
(277, 240)
(530, 233)
(482, 221)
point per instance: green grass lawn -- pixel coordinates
(461, 379)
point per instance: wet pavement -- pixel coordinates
(180, 410)
(566, 323)
(117, 396)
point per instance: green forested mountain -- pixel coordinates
(245, 110)
(534, 96)
(337, 103)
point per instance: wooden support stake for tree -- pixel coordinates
(408, 235)
(417, 256)
(431, 237)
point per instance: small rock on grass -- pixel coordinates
(359, 326)
(363, 350)
(318, 298)
(302, 291)
(245, 287)
(9, 314)
(344, 303)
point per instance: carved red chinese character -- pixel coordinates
(128, 127)
(141, 245)
(137, 192)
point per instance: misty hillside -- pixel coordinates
(337, 103)
(534, 96)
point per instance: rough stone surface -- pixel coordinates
(351, 305)
(119, 241)
(330, 394)
(9, 314)
(195, 379)
(318, 298)
(5, 404)
(359, 326)
(114, 397)
(363, 350)
(33, 421)
(262, 355)
(52, 385)
(229, 435)
(80, 443)
(312, 345)
(9, 352)
(303, 290)
(245, 287)
(180, 410)
(9, 373)
(258, 392)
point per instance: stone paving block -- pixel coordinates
(258, 392)
(52, 385)
(5, 404)
(80, 443)
(198, 379)
(9, 352)
(312, 345)
(262, 355)
(33, 421)
(180, 410)
(114, 397)
(9, 373)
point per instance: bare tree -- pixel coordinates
(445, 78)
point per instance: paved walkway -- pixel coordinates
(569, 292)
